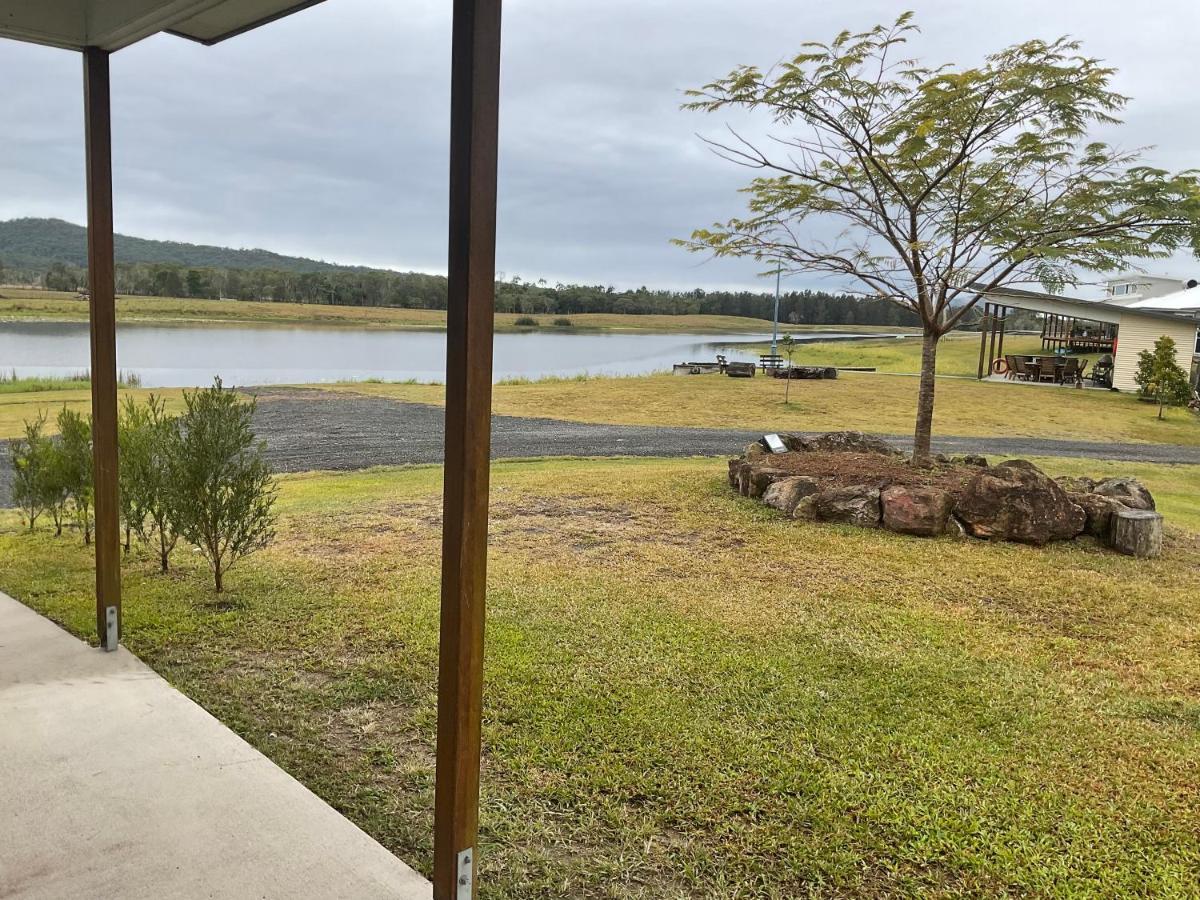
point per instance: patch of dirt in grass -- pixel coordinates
(584, 523)
(874, 469)
(413, 526)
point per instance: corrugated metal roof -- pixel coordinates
(113, 24)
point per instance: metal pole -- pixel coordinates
(471, 287)
(103, 332)
(775, 330)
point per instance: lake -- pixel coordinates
(191, 355)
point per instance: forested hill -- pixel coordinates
(39, 243)
(53, 254)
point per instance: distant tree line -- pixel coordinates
(414, 290)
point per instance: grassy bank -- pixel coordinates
(880, 403)
(26, 305)
(40, 384)
(958, 353)
(18, 407)
(689, 697)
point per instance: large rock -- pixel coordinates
(1016, 501)
(1129, 491)
(755, 451)
(759, 478)
(856, 504)
(785, 493)
(1076, 484)
(918, 510)
(840, 442)
(1099, 510)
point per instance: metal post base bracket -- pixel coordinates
(110, 629)
(466, 877)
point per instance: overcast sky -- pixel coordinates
(325, 134)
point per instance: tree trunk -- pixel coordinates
(924, 430)
(217, 577)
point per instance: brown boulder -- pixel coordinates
(856, 504)
(1076, 484)
(1129, 491)
(806, 509)
(735, 466)
(1099, 510)
(761, 477)
(922, 511)
(755, 451)
(1016, 501)
(785, 493)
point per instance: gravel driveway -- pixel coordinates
(313, 429)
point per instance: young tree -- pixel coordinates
(1160, 378)
(788, 345)
(31, 460)
(947, 183)
(74, 450)
(222, 489)
(149, 442)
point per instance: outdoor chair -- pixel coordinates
(1068, 372)
(1018, 367)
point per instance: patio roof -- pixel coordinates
(113, 24)
(1092, 310)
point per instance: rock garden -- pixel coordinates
(852, 478)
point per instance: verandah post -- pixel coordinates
(103, 332)
(474, 116)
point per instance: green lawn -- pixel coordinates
(958, 353)
(687, 696)
(879, 403)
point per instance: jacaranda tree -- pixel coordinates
(942, 183)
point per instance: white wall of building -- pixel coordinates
(1138, 333)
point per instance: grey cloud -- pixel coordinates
(326, 133)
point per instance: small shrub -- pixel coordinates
(148, 439)
(1160, 378)
(526, 322)
(32, 461)
(73, 472)
(221, 487)
(563, 323)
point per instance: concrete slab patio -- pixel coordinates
(114, 784)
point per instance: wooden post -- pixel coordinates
(991, 355)
(474, 106)
(102, 312)
(984, 325)
(1002, 311)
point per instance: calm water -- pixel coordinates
(191, 355)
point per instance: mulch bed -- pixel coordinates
(878, 471)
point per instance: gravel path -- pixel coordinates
(313, 429)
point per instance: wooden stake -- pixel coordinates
(103, 330)
(474, 105)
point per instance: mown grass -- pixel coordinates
(958, 353)
(687, 696)
(879, 403)
(29, 305)
(16, 408)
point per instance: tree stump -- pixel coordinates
(1136, 532)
